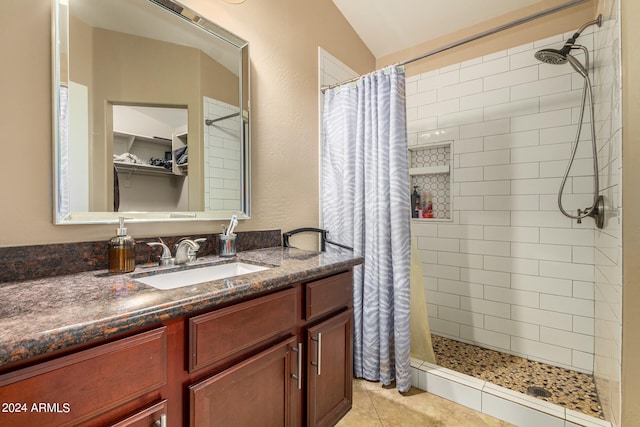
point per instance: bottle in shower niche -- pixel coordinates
(122, 251)
(416, 204)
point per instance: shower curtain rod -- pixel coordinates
(475, 37)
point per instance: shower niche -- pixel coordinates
(430, 170)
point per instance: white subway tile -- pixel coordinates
(543, 87)
(460, 89)
(468, 203)
(494, 127)
(512, 140)
(565, 270)
(422, 98)
(559, 135)
(485, 247)
(547, 285)
(421, 125)
(471, 145)
(542, 350)
(444, 327)
(542, 317)
(536, 186)
(460, 260)
(485, 158)
(460, 288)
(484, 99)
(468, 174)
(443, 299)
(583, 255)
(428, 257)
(576, 236)
(442, 271)
(438, 244)
(512, 296)
(512, 109)
(577, 306)
(585, 290)
(557, 168)
(513, 202)
(582, 361)
(485, 337)
(583, 325)
(423, 229)
(539, 219)
(511, 78)
(483, 69)
(541, 251)
(541, 120)
(512, 327)
(462, 317)
(485, 217)
(460, 118)
(522, 59)
(438, 108)
(485, 188)
(512, 171)
(486, 277)
(460, 231)
(433, 82)
(560, 100)
(567, 339)
(454, 391)
(512, 234)
(511, 265)
(483, 306)
(517, 414)
(541, 153)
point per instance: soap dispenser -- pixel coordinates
(122, 251)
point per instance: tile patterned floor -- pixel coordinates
(377, 406)
(563, 387)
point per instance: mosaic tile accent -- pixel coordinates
(437, 184)
(570, 389)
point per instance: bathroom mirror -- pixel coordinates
(151, 114)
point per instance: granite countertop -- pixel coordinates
(38, 317)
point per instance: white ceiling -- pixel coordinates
(387, 26)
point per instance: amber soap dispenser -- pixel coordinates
(122, 251)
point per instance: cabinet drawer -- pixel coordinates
(155, 415)
(226, 333)
(329, 294)
(75, 388)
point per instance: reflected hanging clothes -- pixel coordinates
(116, 190)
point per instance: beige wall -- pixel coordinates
(631, 202)
(284, 37)
(567, 20)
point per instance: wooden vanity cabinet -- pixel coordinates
(281, 359)
(99, 386)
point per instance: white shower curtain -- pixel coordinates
(366, 204)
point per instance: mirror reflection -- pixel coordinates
(151, 112)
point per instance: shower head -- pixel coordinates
(552, 56)
(557, 57)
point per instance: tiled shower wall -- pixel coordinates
(222, 157)
(608, 241)
(509, 271)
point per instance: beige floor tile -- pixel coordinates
(374, 405)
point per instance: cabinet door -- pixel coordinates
(330, 369)
(259, 391)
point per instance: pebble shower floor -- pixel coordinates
(570, 389)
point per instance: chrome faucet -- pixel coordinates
(186, 251)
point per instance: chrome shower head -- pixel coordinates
(552, 56)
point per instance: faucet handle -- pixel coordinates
(165, 258)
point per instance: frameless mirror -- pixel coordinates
(151, 114)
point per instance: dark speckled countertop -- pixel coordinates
(38, 317)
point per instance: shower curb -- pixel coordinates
(496, 401)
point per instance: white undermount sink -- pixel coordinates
(179, 279)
